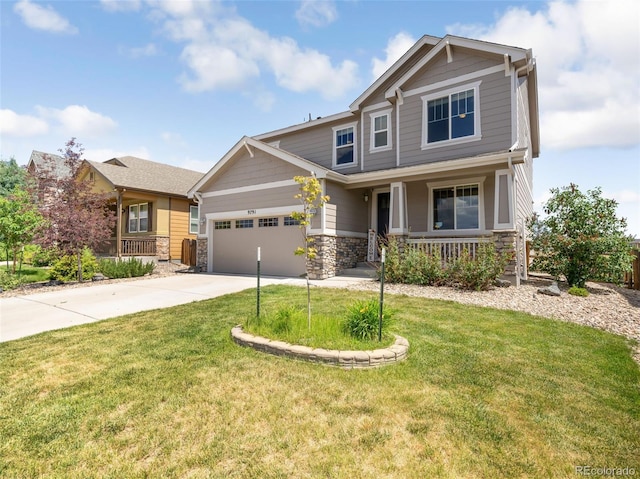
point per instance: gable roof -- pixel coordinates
(248, 143)
(137, 174)
(40, 160)
(425, 40)
(511, 55)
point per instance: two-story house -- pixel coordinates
(437, 151)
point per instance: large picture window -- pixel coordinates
(457, 207)
(344, 145)
(450, 117)
(139, 218)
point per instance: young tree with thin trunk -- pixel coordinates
(76, 216)
(19, 221)
(312, 199)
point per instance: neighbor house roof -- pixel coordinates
(40, 160)
(134, 173)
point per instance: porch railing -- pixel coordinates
(448, 248)
(139, 247)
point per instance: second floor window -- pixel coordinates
(139, 218)
(380, 130)
(450, 117)
(344, 152)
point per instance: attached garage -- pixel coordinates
(234, 244)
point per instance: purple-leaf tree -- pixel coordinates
(75, 215)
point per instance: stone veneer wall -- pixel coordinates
(335, 253)
(505, 242)
(202, 254)
(162, 248)
(350, 251)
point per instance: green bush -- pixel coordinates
(9, 280)
(412, 266)
(42, 257)
(363, 317)
(66, 268)
(480, 272)
(129, 268)
(576, 291)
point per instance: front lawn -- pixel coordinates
(29, 274)
(166, 393)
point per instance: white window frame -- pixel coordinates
(477, 134)
(194, 228)
(455, 184)
(335, 129)
(138, 229)
(372, 142)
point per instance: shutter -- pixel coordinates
(149, 217)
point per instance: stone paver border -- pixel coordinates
(332, 357)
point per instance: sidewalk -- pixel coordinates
(23, 316)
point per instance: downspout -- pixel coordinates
(400, 101)
(119, 214)
(361, 140)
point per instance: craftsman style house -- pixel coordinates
(153, 212)
(437, 152)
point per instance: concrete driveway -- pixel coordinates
(23, 316)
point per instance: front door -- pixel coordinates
(384, 204)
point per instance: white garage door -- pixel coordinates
(235, 242)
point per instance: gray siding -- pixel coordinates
(251, 200)
(495, 117)
(351, 209)
(247, 171)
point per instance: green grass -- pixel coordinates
(285, 319)
(30, 274)
(166, 393)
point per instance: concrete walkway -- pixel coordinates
(22, 316)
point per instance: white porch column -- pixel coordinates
(398, 221)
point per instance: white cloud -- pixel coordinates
(43, 18)
(121, 5)
(588, 71)
(396, 47)
(225, 51)
(317, 13)
(14, 124)
(79, 121)
(149, 50)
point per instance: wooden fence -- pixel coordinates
(189, 252)
(632, 279)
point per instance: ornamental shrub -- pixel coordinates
(575, 291)
(66, 268)
(363, 317)
(581, 238)
(125, 268)
(480, 272)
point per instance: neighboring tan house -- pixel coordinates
(155, 215)
(438, 152)
(43, 162)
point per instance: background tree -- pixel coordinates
(581, 238)
(19, 220)
(310, 195)
(12, 176)
(77, 217)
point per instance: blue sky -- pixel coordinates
(180, 82)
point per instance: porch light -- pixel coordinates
(366, 197)
(203, 220)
